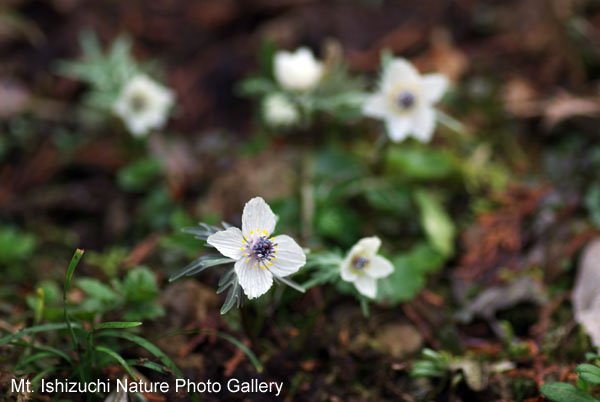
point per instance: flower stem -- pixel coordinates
(245, 320)
(307, 196)
(301, 340)
(381, 147)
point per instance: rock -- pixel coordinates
(187, 301)
(399, 340)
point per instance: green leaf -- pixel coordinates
(116, 324)
(589, 373)
(97, 290)
(435, 221)
(149, 346)
(200, 264)
(417, 163)
(54, 351)
(390, 199)
(140, 285)
(118, 358)
(256, 86)
(149, 365)
(403, 284)
(72, 265)
(338, 222)
(15, 246)
(251, 356)
(70, 270)
(33, 330)
(32, 358)
(139, 175)
(563, 392)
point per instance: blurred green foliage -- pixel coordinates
(134, 297)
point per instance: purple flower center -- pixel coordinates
(263, 249)
(359, 263)
(406, 100)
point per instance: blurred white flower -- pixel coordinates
(278, 110)
(298, 71)
(405, 101)
(258, 256)
(144, 105)
(363, 267)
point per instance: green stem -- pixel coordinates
(245, 320)
(381, 147)
(301, 340)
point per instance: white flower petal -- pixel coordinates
(228, 242)
(379, 267)
(398, 71)
(289, 257)
(298, 71)
(398, 128)
(255, 281)
(258, 216)
(346, 271)
(153, 113)
(278, 110)
(424, 124)
(433, 87)
(368, 245)
(366, 286)
(376, 106)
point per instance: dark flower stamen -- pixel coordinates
(264, 249)
(359, 263)
(137, 102)
(406, 100)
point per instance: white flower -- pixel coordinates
(298, 71)
(405, 101)
(258, 256)
(144, 105)
(363, 267)
(278, 110)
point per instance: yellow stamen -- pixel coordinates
(247, 260)
(272, 239)
(252, 232)
(265, 232)
(254, 265)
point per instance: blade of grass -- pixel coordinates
(32, 358)
(149, 346)
(72, 265)
(149, 365)
(117, 324)
(118, 358)
(251, 356)
(41, 375)
(58, 353)
(32, 330)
